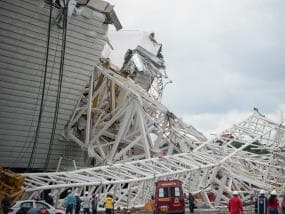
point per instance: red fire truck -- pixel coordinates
(169, 197)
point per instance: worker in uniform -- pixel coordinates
(109, 204)
(261, 203)
(94, 203)
(235, 204)
(192, 202)
(69, 202)
(86, 203)
(273, 203)
(77, 203)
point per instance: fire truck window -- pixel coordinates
(177, 192)
(163, 193)
(174, 191)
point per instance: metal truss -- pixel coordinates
(211, 171)
(132, 183)
(118, 120)
(253, 152)
(136, 141)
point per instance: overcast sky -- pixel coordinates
(224, 56)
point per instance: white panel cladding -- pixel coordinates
(23, 35)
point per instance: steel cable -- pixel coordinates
(35, 143)
(64, 31)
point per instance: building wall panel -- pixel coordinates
(23, 36)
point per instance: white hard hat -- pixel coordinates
(76, 194)
(235, 193)
(50, 194)
(262, 192)
(273, 192)
(69, 190)
(86, 193)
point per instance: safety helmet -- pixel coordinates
(69, 191)
(262, 192)
(273, 192)
(76, 194)
(86, 193)
(235, 193)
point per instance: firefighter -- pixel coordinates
(283, 205)
(273, 203)
(235, 204)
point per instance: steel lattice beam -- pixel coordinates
(132, 125)
(136, 141)
(212, 168)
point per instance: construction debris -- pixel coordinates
(135, 141)
(11, 184)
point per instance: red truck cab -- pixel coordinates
(169, 197)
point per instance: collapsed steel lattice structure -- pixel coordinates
(118, 119)
(136, 141)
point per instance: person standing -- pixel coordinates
(273, 204)
(191, 200)
(108, 204)
(283, 204)
(77, 203)
(6, 203)
(94, 204)
(86, 203)
(261, 203)
(49, 199)
(70, 202)
(235, 204)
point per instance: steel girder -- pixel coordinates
(216, 167)
(132, 183)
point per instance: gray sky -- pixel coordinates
(224, 56)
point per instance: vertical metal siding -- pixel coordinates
(23, 35)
